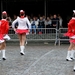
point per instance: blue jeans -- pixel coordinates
(40, 28)
(33, 28)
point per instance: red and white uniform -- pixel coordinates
(4, 28)
(23, 25)
(71, 30)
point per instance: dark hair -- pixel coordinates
(21, 14)
(4, 16)
(16, 24)
(73, 14)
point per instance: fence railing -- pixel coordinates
(61, 37)
(51, 34)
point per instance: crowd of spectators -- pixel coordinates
(38, 24)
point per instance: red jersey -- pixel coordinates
(4, 26)
(71, 28)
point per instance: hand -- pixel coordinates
(28, 30)
(14, 29)
(54, 25)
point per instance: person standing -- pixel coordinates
(48, 25)
(55, 21)
(41, 25)
(71, 34)
(23, 27)
(33, 26)
(4, 28)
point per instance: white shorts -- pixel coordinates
(73, 37)
(1, 41)
(6, 37)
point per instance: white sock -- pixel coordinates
(68, 54)
(26, 42)
(74, 67)
(3, 53)
(22, 49)
(72, 53)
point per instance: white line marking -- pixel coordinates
(27, 70)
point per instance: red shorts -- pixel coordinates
(72, 41)
(69, 34)
(1, 38)
(21, 31)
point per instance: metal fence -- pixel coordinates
(61, 37)
(49, 34)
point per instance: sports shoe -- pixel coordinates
(4, 58)
(69, 59)
(22, 53)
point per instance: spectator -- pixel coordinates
(33, 26)
(44, 18)
(15, 17)
(55, 21)
(48, 24)
(41, 25)
(60, 21)
(51, 16)
(37, 21)
(10, 21)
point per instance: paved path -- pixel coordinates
(38, 60)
